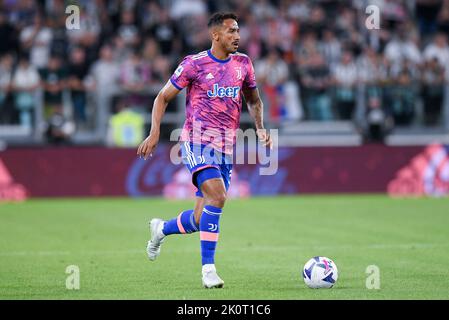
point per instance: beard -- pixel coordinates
(233, 49)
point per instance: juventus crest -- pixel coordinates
(239, 72)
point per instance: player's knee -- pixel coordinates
(217, 199)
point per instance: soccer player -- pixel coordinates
(216, 80)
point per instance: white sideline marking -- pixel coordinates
(253, 247)
(348, 246)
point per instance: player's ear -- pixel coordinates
(214, 33)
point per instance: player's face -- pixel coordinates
(229, 35)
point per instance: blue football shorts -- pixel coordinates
(198, 157)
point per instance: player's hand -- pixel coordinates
(147, 147)
(265, 138)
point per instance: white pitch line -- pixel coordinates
(243, 248)
(347, 246)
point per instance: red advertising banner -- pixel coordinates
(76, 171)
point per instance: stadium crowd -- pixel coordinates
(311, 57)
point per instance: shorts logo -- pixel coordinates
(230, 92)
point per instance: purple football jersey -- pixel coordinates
(214, 97)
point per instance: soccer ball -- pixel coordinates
(320, 272)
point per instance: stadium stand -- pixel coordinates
(325, 78)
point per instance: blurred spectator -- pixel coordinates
(121, 49)
(128, 31)
(372, 68)
(160, 65)
(25, 82)
(150, 50)
(135, 77)
(165, 32)
(128, 49)
(126, 127)
(443, 18)
(251, 37)
(354, 42)
(315, 80)
(263, 9)
(53, 81)
(306, 49)
(402, 47)
(378, 121)
(53, 8)
(281, 24)
(345, 78)
(8, 34)
(161, 69)
(373, 74)
(135, 74)
(298, 9)
(197, 37)
(59, 128)
(331, 47)
(316, 21)
(60, 44)
(88, 33)
(440, 50)
(433, 91)
(345, 22)
(427, 11)
(23, 12)
(393, 13)
(182, 8)
(149, 14)
(105, 72)
(36, 39)
(401, 99)
(104, 75)
(77, 72)
(272, 74)
(6, 64)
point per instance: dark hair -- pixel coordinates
(218, 18)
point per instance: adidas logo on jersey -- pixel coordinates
(230, 92)
(209, 76)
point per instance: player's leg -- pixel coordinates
(187, 221)
(214, 192)
(199, 207)
(184, 223)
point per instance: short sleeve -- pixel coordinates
(250, 78)
(183, 74)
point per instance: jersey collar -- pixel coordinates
(216, 59)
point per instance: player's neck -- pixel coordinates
(219, 54)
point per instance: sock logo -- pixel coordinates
(213, 226)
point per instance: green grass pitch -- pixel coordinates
(264, 242)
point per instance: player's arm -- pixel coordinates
(255, 107)
(167, 93)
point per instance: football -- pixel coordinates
(320, 272)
